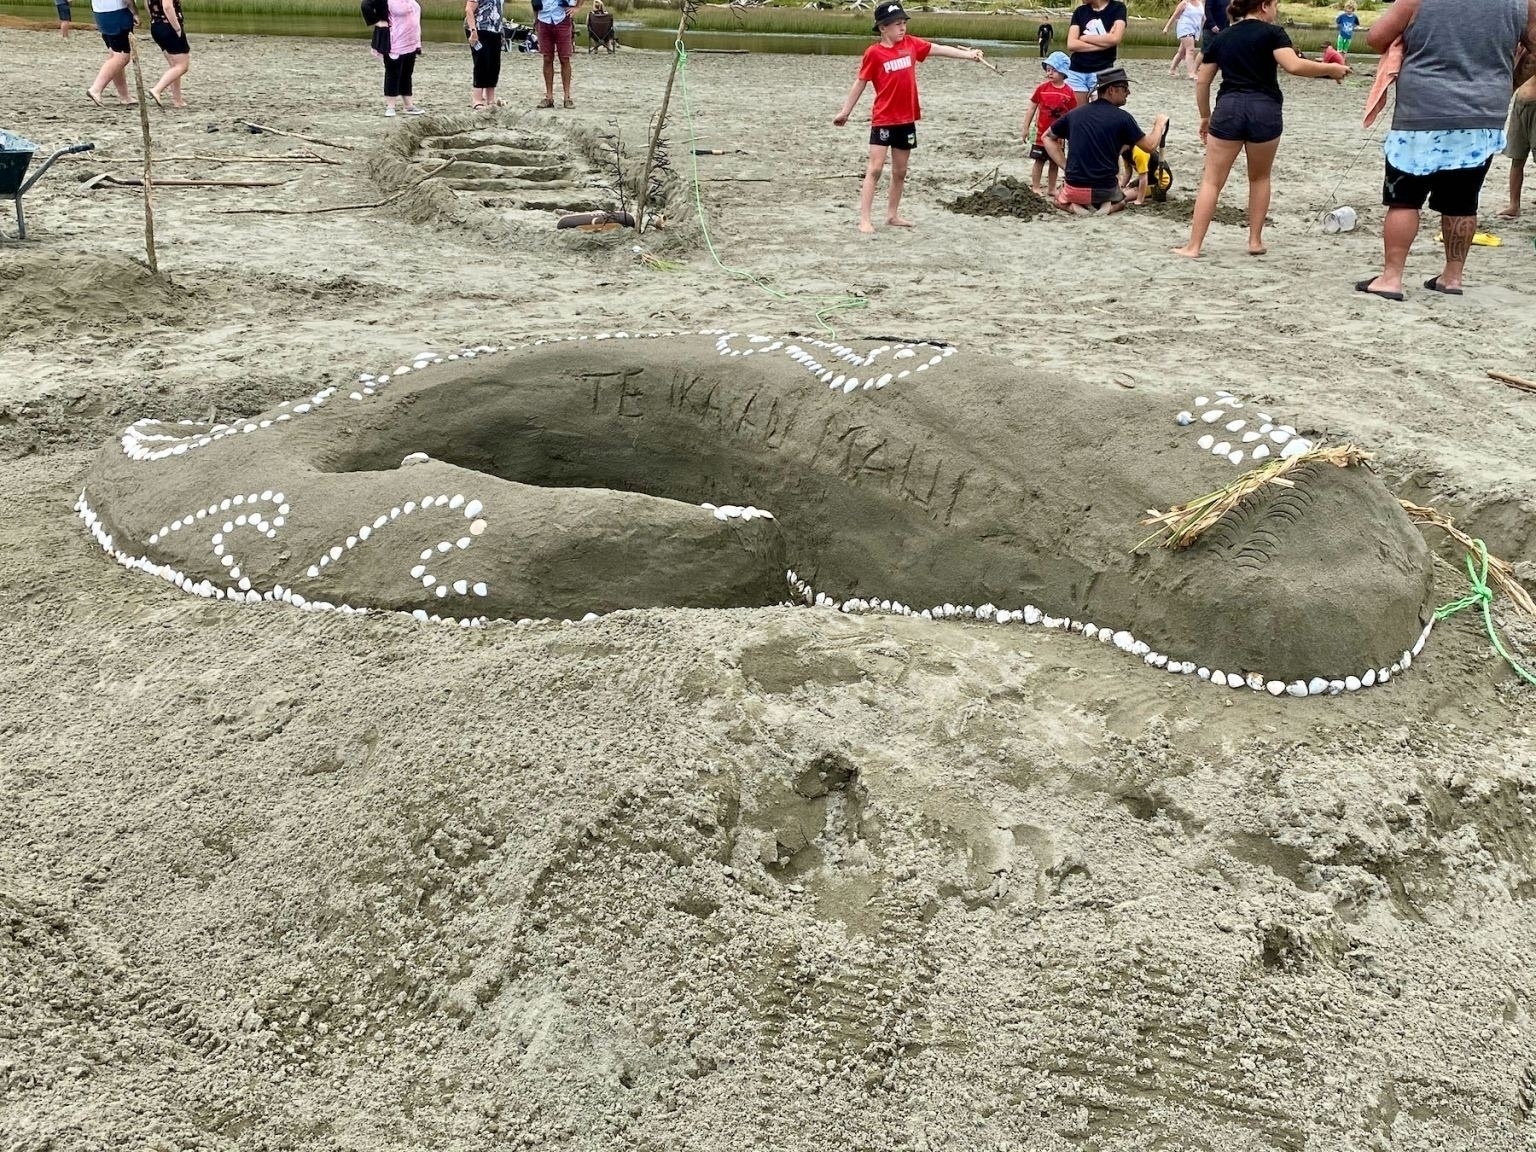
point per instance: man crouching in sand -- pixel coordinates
(1098, 131)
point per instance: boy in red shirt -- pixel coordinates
(891, 66)
(1051, 101)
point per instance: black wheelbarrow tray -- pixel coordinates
(15, 155)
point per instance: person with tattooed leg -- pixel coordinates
(1447, 126)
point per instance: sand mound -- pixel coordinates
(59, 295)
(580, 476)
(1007, 197)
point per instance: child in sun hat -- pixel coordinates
(890, 64)
(1052, 100)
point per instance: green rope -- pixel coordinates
(828, 305)
(1481, 596)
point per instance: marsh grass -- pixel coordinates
(790, 19)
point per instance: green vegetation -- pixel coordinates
(1311, 24)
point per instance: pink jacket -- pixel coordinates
(404, 28)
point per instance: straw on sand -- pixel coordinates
(1183, 524)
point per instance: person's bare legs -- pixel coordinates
(1457, 232)
(1397, 235)
(1220, 155)
(893, 216)
(549, 77)
(1051, 176)
(178, 65)
(1516, 186)
(871, 179)
(565, 77)
(1034, 177)
(1261, 162)
(1191, 55)
(112, 73)
(1173, 65)
(490, 97)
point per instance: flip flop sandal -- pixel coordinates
(546, 103)
(93, 98)
(157, 101)
(570, 104)
(1365, 286)
(1433, 284)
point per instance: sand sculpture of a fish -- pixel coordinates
(576, 476)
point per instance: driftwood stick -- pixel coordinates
(147, 183)
(296, 136)
(308, 158)
(170, 182)
(1513, 381)
(661, 123)
(337, 207)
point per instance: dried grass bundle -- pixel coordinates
(1501, 574)
(656, 263)
(1183, 524)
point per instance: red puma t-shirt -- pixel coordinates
(1054, 101)
(892, 69)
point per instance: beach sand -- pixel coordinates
(754, 878)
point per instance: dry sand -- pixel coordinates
(763, 878)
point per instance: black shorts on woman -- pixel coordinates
(170, 41)
(1248, 108)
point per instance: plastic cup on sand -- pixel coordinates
(1341, 219)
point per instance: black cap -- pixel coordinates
(888, 12)
(1109, 78)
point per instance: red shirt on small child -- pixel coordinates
(1054, 102)
(892, 69)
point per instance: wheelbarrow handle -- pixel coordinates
(48, 163)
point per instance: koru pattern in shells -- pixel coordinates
(226, 524)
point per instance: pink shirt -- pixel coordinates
(404, 28)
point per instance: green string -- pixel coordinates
(828, 305)
(1481, 596)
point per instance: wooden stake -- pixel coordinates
(1513, 381)
(149, 209)
(296, 136)
(661, 121)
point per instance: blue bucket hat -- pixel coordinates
(1059, 61)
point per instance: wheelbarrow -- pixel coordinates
(15, 155)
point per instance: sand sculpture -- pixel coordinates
(572, 477)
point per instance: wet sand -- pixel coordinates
(732, 878)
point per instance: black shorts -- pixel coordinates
(1038, 152)
(1246, 117)
(62, 8)
(903, 136)
(117, 42)
(1453, 192)
(172, 42)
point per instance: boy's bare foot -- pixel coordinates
(1035, 188)
(1188, 252)
(899, 222)
(865, 226)
(1510, 213)
(1257, 249)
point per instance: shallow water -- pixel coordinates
(631, 34)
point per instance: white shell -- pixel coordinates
(1235, 681)
(1316, 686)
(1352, 683)
(1368, 679)
(1206, 441)
(1297, 688)
(1275, 688)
